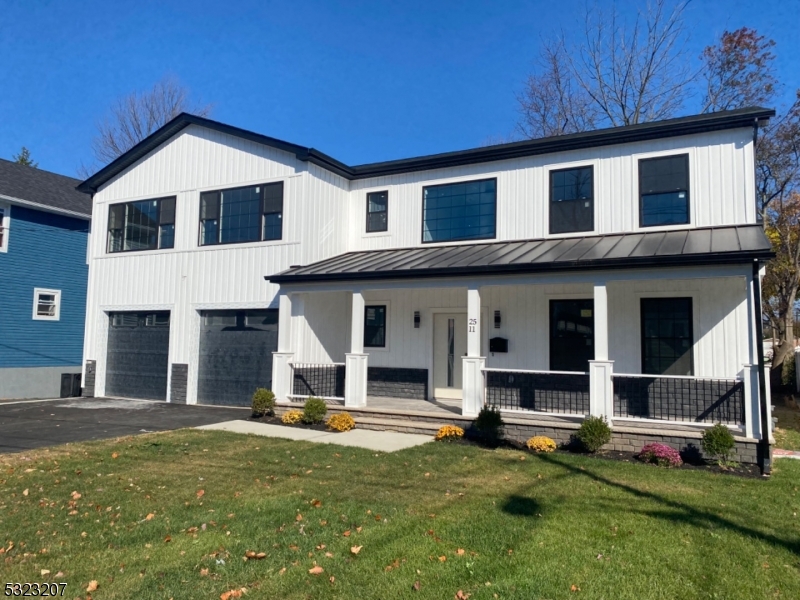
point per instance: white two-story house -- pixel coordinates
(614, 272)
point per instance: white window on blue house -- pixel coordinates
(5, 211)
(46, 304)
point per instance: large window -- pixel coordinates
(459, 211)
(571, 200)
(664, 190)
(141, 225)
(246, 214)
(377, 211)
(667, 336)
(375, 326)
(571, 335)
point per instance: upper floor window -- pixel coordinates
(664, 190)
(4, 219)
(141, 225)
(377, 211)
(459, 211)
(246, 214)
(572, 200)
(46, 304)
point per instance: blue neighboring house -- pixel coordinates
(44, 232)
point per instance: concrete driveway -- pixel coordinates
(36, 424)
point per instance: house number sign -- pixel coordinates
(472, 324)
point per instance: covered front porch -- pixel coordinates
(658, 344)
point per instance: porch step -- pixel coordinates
(403, 426)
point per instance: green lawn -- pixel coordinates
(787, 433)
(440, 518)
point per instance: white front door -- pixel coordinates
(449, 346)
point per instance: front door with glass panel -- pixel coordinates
(571, 335)
(449, 346)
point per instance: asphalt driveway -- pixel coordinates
(27, 425)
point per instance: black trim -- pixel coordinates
(386, 227)
(744, 117)
(688, 185)
(162, 219)
(217, 213)
(462, 239)
(366, 309)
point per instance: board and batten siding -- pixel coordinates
(721, 181)
(45, 250)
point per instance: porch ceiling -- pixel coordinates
(704, 246)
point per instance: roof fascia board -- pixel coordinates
(603, 137)
(45, 207)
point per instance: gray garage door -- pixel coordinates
(236, 349)
(137, 358)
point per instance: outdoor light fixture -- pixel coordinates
(497, 319)
(416, 319)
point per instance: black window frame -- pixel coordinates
(550, 211)
(166, 217)
(459, 239)
(385, 309)
(211, 205)
(642, 330)
(552, 304)
(385, 211)
(665, 191)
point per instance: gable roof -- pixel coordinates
(702, 246)
(37, 188)
(744, 117)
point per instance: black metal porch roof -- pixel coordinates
(703, 246)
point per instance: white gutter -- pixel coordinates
(46, 208)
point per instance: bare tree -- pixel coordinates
(616, 75)
(135, 116)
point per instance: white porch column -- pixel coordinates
(355, 378)
(601, 388)
(752, 410)
(282, 359)
(473, 363)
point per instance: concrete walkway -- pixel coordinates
(778, 453)
(382, 441)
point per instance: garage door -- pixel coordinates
(236, 349)
(138, 355)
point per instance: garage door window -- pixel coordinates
(132, 319)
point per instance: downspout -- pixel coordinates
(763, 452)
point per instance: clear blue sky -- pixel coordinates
(361, 80)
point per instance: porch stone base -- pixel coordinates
(397, 383)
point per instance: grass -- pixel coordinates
(440, 518)
(787, 432)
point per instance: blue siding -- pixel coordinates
(45, 250)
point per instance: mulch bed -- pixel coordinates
(300, 425)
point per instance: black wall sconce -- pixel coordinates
(497, 319)
(416, 319)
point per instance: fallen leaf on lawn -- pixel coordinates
(293, 547)
(316, 570)
(416, 586)
(316, 503)
(329, 555)
(282, 571)
(574, 588)
(149, 516)
(25, 492)
(232, 594)
(299, 517)
(201, 493)
(346, 533)
(461, 595)
(93, 585)
(75, 495)
(60, 574)
(358, 529)
(203, 572)
(442, 558)
(167, 539)
(427, 474)
(355, 549)
(44, 572)
(321, 547)
(115, 455)
(84, 534)
(332, 579)
(460, 551)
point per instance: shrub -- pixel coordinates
(489, 426)
(541, 443)
(314, 410)
(449, 433)
(661, 454)
(718, 443)
(788, 371)
(594, 433)
(292, 417)
(341, 422)
(263, 402)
